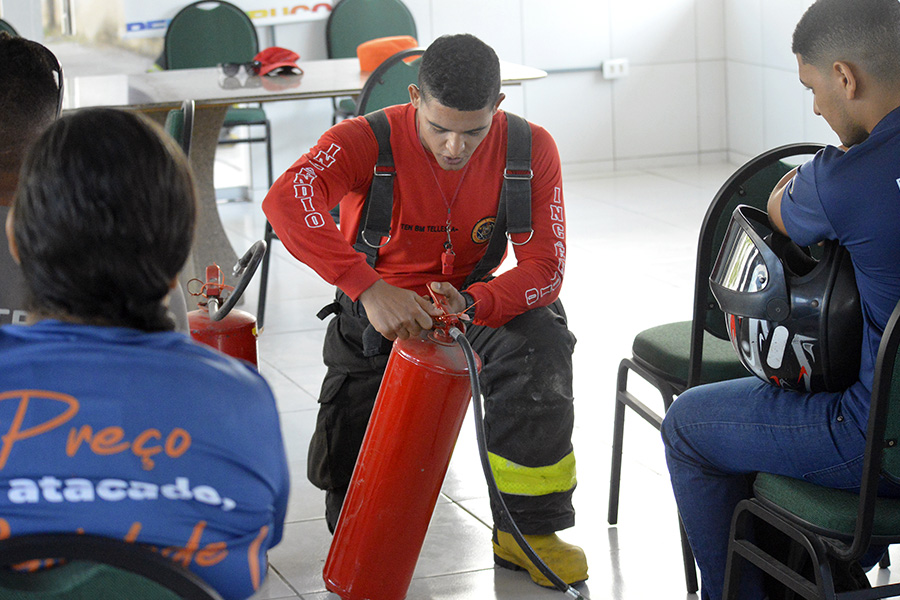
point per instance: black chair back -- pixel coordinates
(167, 579)
(751, 184)
(389, 82)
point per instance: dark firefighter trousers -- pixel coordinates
(526, 381)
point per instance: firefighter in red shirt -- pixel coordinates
(449, 148)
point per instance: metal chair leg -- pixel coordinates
(623, 399)
(616, 467)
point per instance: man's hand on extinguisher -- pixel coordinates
(397, 313)
(455, 302)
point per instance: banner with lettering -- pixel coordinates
(150, 19)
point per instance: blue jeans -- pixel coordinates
(717, 435)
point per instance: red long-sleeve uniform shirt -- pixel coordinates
(339, 169)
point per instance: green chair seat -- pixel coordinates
(824, 508)
(81, 581)
(347, 106)
(827, 528)
(97, 568)
(667, 348)
(243, 115)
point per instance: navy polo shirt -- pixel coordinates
(854, 197)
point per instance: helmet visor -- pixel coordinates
(748, 278)
(740, 266)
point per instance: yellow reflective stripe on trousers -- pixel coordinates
(533, 481)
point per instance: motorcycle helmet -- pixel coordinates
(794, 320)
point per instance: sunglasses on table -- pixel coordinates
(231, 69)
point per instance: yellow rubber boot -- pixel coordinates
(566, 560)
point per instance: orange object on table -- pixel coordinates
(374, 52)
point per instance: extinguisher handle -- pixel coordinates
(245, 267)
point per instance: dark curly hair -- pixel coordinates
(461, 72)
(863, 32)
(103, 219)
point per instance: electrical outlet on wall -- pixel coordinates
(614, 68)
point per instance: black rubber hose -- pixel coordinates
(246, 265)
(555, 579)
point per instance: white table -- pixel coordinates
(157, 92)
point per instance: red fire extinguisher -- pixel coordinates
(218, 324)
(404, 456)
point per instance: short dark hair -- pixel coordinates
(29, 91)
(103, 219)
(461, 72)
(863, 32)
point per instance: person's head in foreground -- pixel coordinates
(103, 220)
(29, 102)
(848, 53)
(456, 97)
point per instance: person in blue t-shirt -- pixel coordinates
(716, 436)
(111, 423)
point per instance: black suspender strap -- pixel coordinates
(516, 192)
(376, 221)
(514, 209)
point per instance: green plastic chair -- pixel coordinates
(353, 22)
(97, 568)
(180, 125)
(389, 83)
(828, 525)
(209, 32)
(676, 356)
(8, 28)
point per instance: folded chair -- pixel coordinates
(180, 125)
(676, 356)
(829, 526)
(96, 568)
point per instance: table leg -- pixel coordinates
(211, 244)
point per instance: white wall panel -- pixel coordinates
(498, 23)
(576, 108)
(710, 29)
(711, 106)
(421, 12)
(743, 30)
(779, 18)
(783, 106)
(566, 34)
(653, 31)
(655, 111)
(745, 108)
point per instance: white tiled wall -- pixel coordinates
(669, 110)
(709, 79)
(766, 105)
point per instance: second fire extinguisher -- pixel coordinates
(215, 322)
